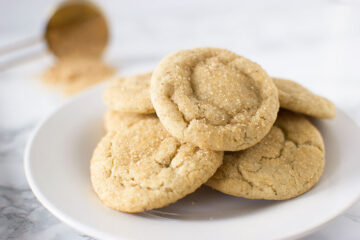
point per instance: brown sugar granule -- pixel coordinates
(73, 74)
(77, 35)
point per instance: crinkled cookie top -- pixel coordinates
(214, 98)
(286, 163)
(143, 167)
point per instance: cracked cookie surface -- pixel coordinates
(294, 97)
(286, 163)
(143, 167)
(114, 120)
(214, 98)
(129, 94)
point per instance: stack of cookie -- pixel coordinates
(207, 116)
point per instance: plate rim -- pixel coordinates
(84, 228)
(68, 220)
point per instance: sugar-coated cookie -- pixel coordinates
(294, 97)
(286, 163)
(143, 167)
(214, 98)
(114, 120)
(129, 94)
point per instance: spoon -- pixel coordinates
(75, 28)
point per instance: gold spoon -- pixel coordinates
(76, 27)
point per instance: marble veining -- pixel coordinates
(21, 215)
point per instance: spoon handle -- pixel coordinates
(22, 51)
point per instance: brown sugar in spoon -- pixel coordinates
(75, 28)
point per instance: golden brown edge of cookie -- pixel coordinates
(325, 109)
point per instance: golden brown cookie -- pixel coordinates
(286, 163)
(143, 167)
(214, 98)
(118, 121)
(294, 97)
(129, 94)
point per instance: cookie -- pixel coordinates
(114, 120)
(143, 167)
(286, 163)
(294, 97)
(129, 94)
(214, 98)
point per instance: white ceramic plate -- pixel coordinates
(57, 168)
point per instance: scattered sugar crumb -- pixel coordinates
(74, 74)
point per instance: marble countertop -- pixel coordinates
(313, 42)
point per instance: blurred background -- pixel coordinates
(313, 42)
(316, 43)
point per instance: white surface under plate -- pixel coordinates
(57, 169)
